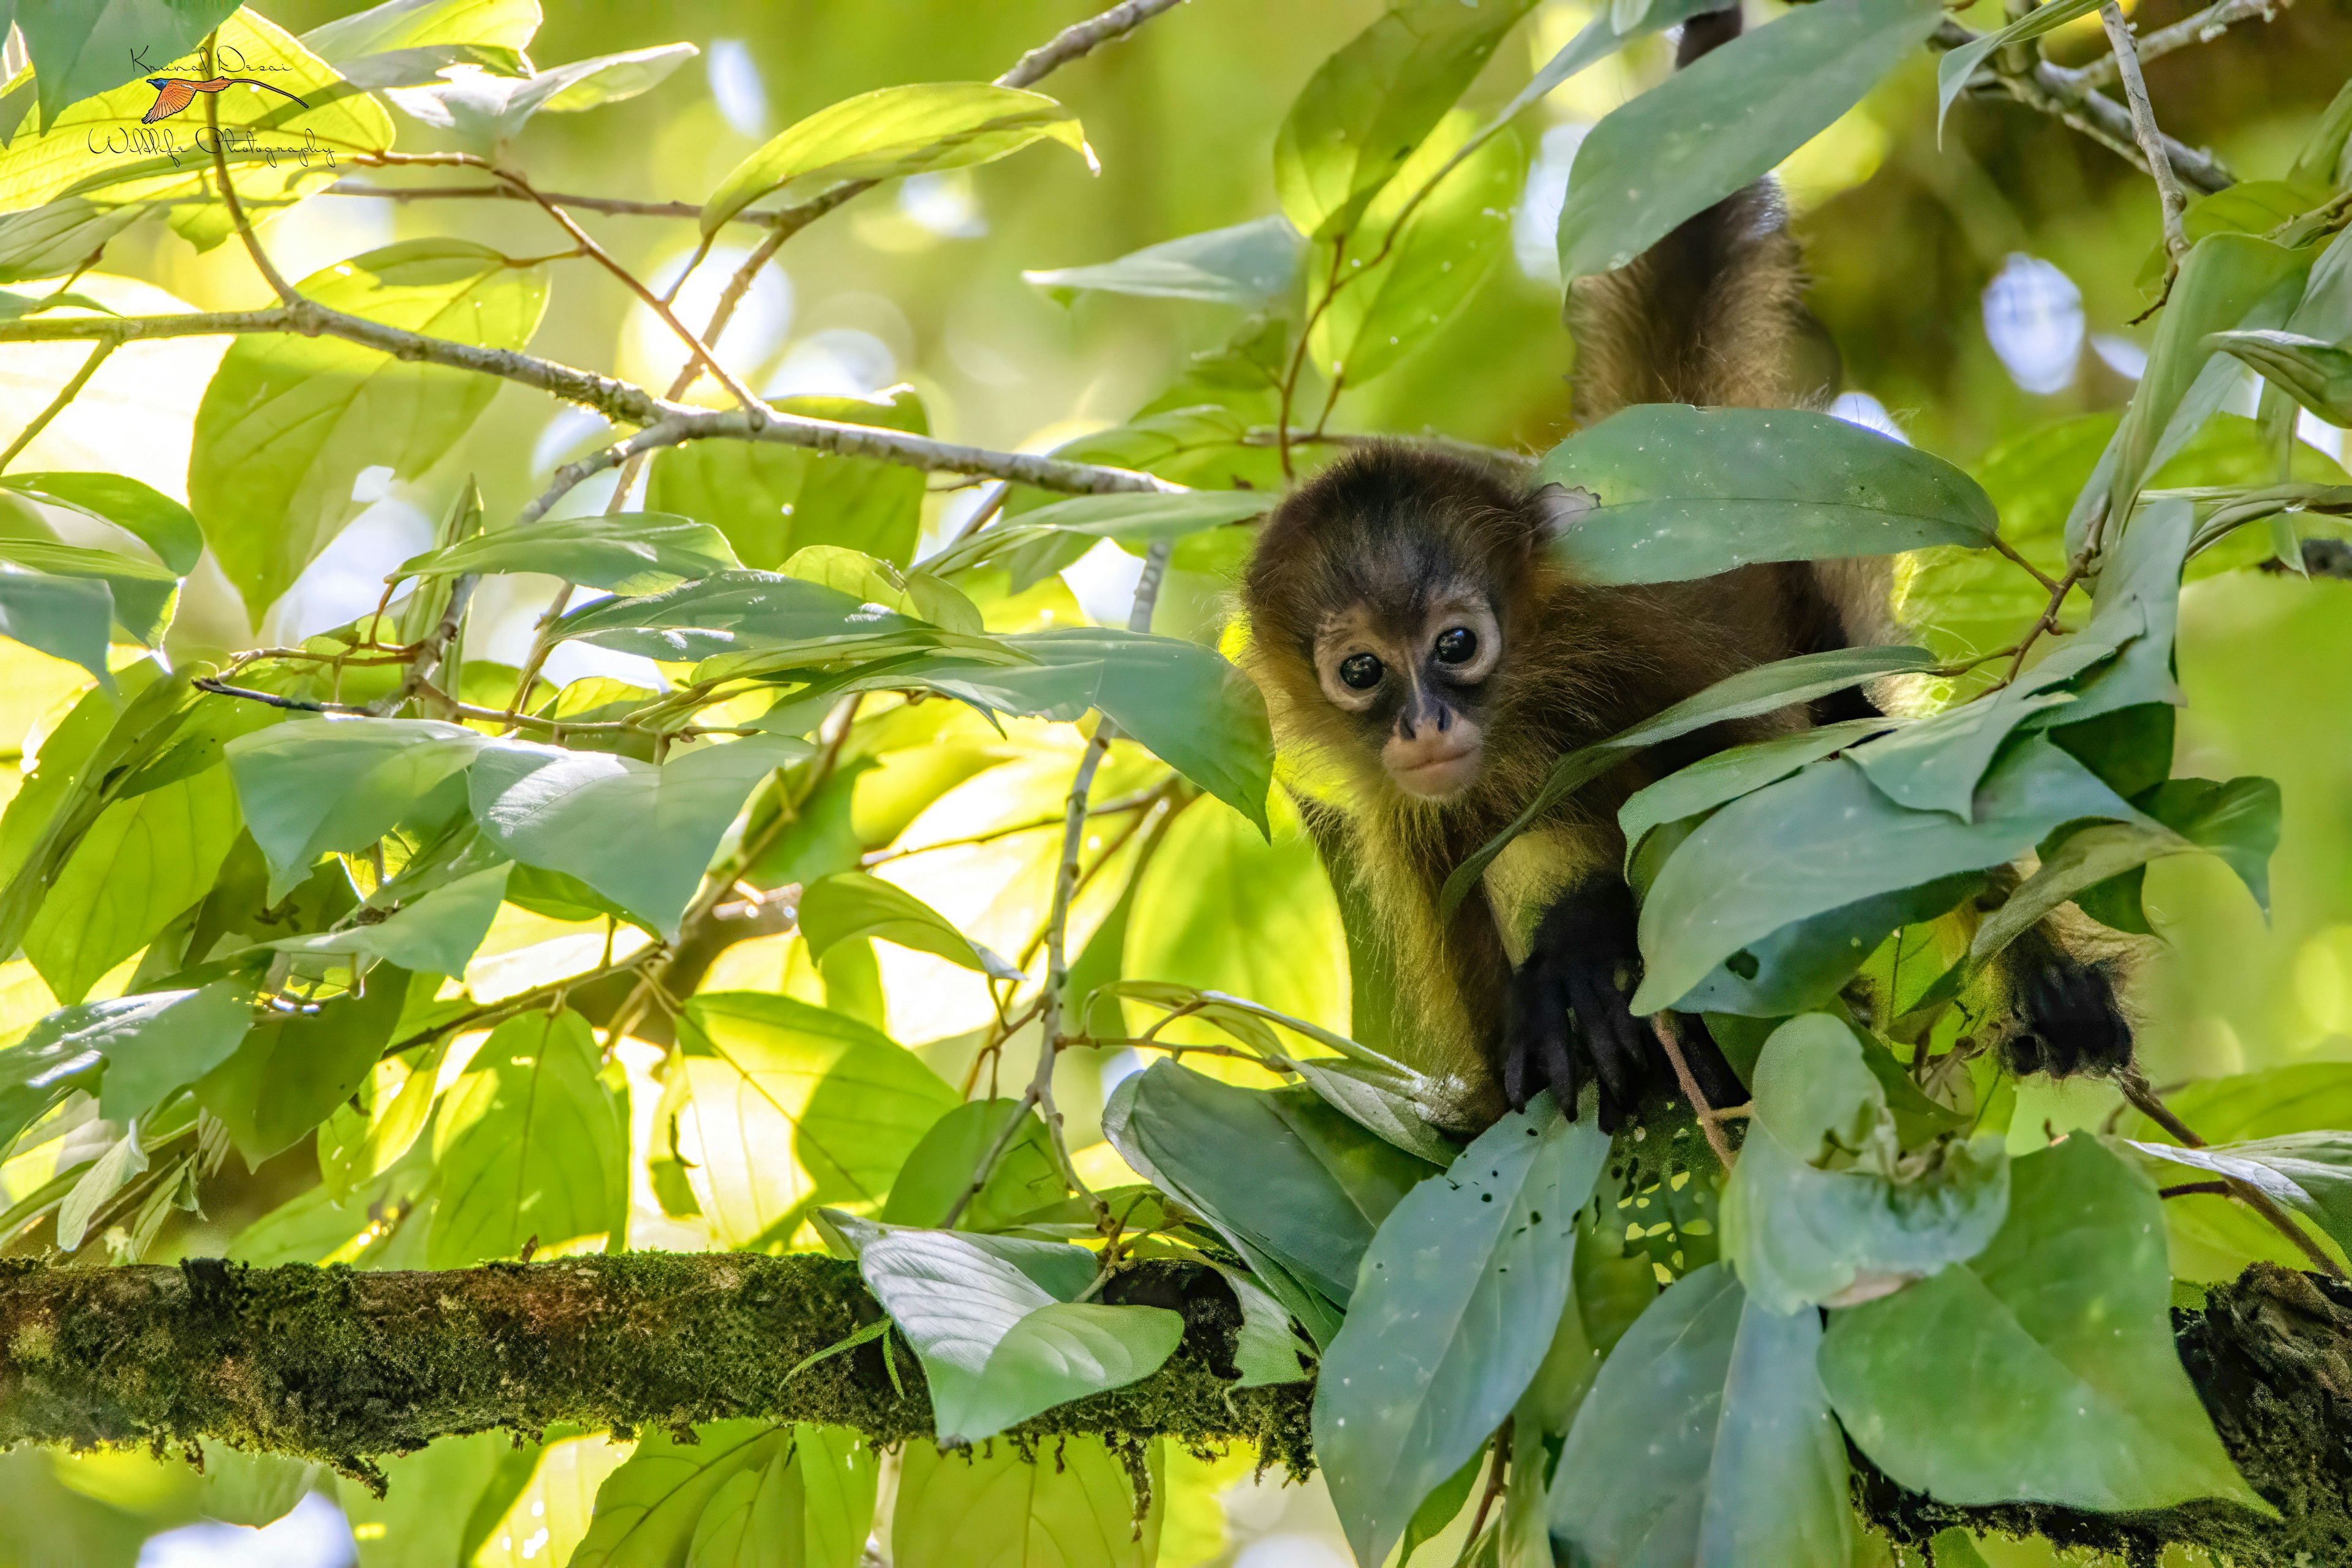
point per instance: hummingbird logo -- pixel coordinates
(173, 93)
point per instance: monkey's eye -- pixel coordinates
(1456, 645)
(1360, 670)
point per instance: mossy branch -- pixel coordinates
(340, 1365)
(344, 1366)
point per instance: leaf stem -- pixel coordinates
(261, 262)
(2149, 138)
(66, 394)
(1711, 1120)
(2136, 1089)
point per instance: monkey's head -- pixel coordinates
(1382, 604)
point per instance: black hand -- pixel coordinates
(2072, 1021)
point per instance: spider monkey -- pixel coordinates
(1426, 663)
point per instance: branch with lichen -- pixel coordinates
(346, 1367)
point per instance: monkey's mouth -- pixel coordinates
(1436, 773)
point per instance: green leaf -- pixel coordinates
(1821, 1208)
(788, 1106)
(1952, 72)
(1728, 774)
(1684, 493)
(158, 521)
(1183, 702)
(896, 130)
(773, 500)
(421, 1517)
(144, 862)
(1364, 110)
(996, 1347)
(143, 591)
(155, 1041)
(309, 788)
(1936, 763)
(628, 552)
(813, 1510)
(2308, 1172)
(253, 1488)
(1433, 264)
(878, 582)
(1220, 909)
(1253, 264)
(289, 422)
(2226, 281)
(1725, 121)
(639, 834)
(416, 24)
(1738, 1461)
(1598, 38)
(649, 1510)
(2044, 1368)
(486, 110)
(1074, 1510)
(1824, 843)
(293, 1068)
(736, 611)
(51, 240)
(850, 904)
(58, 1055)
(1433, 1355)
(436, 933)
(527, 1145)
(2317, 375)
(1294, 1186)
(80, 51)
(65, 617)
(939, 1169)
(1742, 696)
(1266, 1348)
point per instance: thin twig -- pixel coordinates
(2148, 137)
(611, 205)
(1135, 802)
(2217, 1189)
(1040, 1092)
(664, 423)
(1493, 1489)
(2073, 99)
(271, 699)
(1711, 1120)
(2011, 551)
(66, 394)
(2201, 29)
(2136, 1089)
(261, 262)
(696, 348)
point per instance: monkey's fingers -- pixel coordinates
(1563, 1063)
(1533, 1011)
(1612, 1036)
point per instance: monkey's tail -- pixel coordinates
(1714, 314)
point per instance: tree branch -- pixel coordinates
(340, 1366)
(66, 394)
(2149, 140)
(2072, 97)
(2203, 28)
(622, 402)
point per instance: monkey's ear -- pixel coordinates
(1559, 508)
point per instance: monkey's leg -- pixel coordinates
(2067, 1017)
(1568, 1023)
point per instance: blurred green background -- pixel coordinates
(1978, 292)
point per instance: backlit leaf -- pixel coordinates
(529, 1144)
(290, 422)
(894, 131)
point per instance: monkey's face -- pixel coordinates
(1414, 675)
